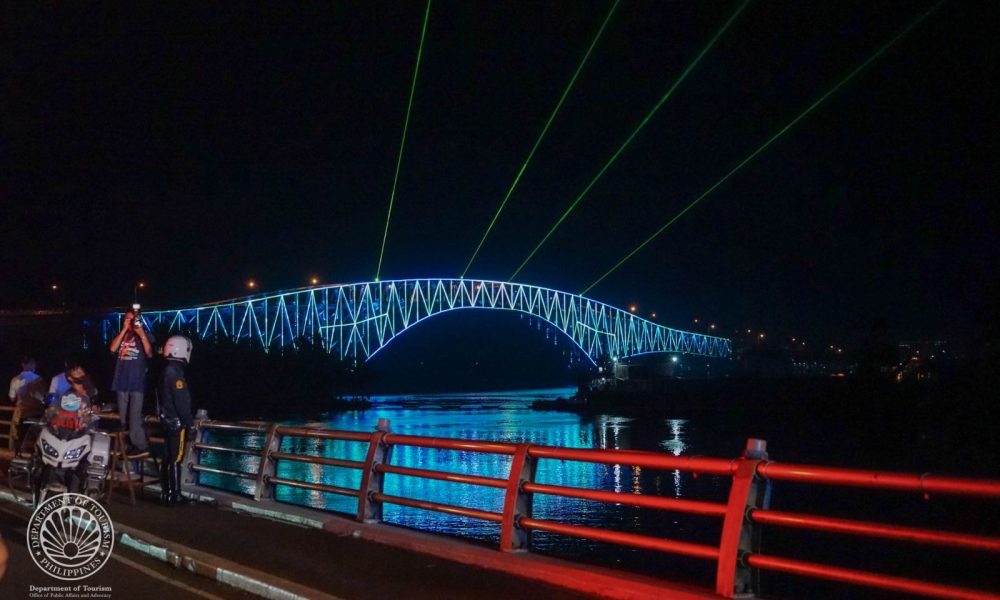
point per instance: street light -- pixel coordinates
(314, 280)
(251, 284)
(135, 290)
(61, 292)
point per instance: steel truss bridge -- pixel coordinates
(358, 320)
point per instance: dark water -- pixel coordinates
(507, 417)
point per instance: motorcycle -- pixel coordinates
(69, 454)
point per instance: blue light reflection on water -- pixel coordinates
(499, 417)
(508, 417)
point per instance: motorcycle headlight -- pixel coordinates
(74, 453)
(48, 449)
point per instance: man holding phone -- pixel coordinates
(133, 349)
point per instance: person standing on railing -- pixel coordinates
(175, 416)
(133, 348)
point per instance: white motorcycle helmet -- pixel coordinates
(178, 346)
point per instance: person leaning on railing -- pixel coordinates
(27, 394)
(27, 389)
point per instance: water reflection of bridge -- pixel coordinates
(603, 432)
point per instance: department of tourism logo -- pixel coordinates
(70, 536)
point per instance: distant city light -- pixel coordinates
(653, 315)
(55, 287)
(712, 326)
(674, 359)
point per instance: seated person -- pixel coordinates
(60, 383)
(72, 410)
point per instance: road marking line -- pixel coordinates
(153, 573)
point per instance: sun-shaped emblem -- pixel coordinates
(70, 536)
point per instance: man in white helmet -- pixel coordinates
(175, 415)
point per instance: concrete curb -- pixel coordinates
(592, 580)
(219, 569)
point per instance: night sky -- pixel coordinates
(196, 147)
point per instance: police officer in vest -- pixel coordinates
(175, 415)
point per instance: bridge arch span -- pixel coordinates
(468, 308)
(358, 320)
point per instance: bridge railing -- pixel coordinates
(738, 558)
(10, 416)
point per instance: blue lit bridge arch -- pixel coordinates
(358, 320)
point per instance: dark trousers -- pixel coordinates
(173, 443)
(173, 454)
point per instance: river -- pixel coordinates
(508, 417)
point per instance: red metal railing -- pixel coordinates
(737, 555)
(925, 484)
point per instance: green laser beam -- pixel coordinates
(770, 141)
(542, 135)
(631, 137)
(406, 126)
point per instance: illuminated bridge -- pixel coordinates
(358, 320)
